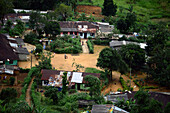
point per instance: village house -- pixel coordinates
(115, 44)
(8, 60)
(17, 45)
(84, 29)
(76, 79)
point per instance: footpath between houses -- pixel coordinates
(84, 46)
(28, 96)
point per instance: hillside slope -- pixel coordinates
(145, 9)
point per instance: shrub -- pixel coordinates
(101, 42)
(12, 80)
(39, 48)
(149, 87)
(90, 46)
(72, 91)
(24, 70)
(124, 85)
(135, 81)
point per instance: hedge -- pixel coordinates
(101, 42)
(90, 46)
(149, 87)
(136, 82)
(124, 85)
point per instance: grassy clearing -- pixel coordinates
(149, 9)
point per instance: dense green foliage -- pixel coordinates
(101, 42)
(159, 51)
(146, 105)
(52, 94)
(90, 46)
(66, 44)
(52, 28)
(64, 83)
(8, 95)
(39, 48)
(12, 80)
(125, 104)
(31, 38)
(110, 60)
(109, 8)
(124, 85)
(45, 61)
(5, 7)
(94, 84)
(133, 55)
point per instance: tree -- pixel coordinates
(64, 11)
(45, 61)
(8, 25)
(110, 60)
(52, 94)
(94, 84)
(64, 83)
(39, 48)
(144, 104)
(18, 29)
(31, 38)
(167, 107)
(8, 94)
(34, 20)
(133, 55)
(52, 28)
(109, 8)
(5, 7)
(12, 80)
(122, 25)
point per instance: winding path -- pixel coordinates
(28, 96)
(84, 46)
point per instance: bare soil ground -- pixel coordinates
(94, 10)
(87, 60)
(28, 96)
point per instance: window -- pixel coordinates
(85, 26)
(79, 26)
(91, 34)
(81, 34)
(11, 62)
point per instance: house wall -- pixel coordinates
(88, 35)
(14, 62)
(22, 57)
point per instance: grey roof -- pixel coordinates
(69, 29)
(105, 30)
(10, 67)
(20, 41)
(115, 43)
(114, 98)
(99, 109)
(21, 50)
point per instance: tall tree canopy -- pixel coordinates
(52, 28)
(64, 11)
(110, 60)
(94, 84)
(133, 55)
(110, 8)
(5, 7)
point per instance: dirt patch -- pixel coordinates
(96, 11)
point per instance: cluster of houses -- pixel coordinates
(75, 79)
(11, 51)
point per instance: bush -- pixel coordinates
(24, 70)
(90, 46)
(149, 87)
(12, 80)
(124, 85)
(39, 48)
(135, 81)
(72, 91)
(31, 38)
(101, 42)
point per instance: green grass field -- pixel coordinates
(145, 9)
